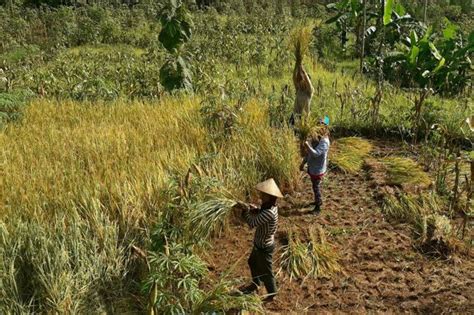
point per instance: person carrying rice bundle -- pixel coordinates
(301, 39)
(317, 149)
(265, 221)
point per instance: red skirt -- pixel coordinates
(316, 177)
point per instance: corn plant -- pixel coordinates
(173, 282)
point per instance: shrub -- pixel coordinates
(11, 106)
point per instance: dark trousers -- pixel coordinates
(260, 262)
(317, 191)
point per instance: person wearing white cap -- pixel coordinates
(265, 220)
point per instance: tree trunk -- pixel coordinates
(380, 26)
(424, 11)
(364, 26)
(418, 109)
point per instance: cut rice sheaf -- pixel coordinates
(349, 154)
(401, 172)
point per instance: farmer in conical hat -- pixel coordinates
(317, 149)
(265, 220)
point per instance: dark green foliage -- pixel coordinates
(441, 63)
(11, 105)
(176, 30)
(439, 60)
(176, 26)
(175, 74)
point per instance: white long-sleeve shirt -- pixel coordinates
(317, 158)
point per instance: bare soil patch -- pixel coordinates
(382, 271)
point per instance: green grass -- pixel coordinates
(18, 54)
(103, 49)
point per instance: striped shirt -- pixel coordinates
(266, 222)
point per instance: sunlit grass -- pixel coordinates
(65, 163)
(404, 171)
(349, 154)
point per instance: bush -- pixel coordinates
(11, 106)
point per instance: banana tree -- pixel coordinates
(369, 19)
(442, 63)
(456, 74)
(346, 18)
(416, 63)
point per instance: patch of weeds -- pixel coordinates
(339, 231)
(11, 105)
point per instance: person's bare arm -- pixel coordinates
(303, 163)
(319, 150)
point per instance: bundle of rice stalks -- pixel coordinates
(404, 172)
(307, 128)
(432, 231)
(436, 236)
(300, 40)
(295, 258)
(221, 300)
(350, 153)
(324, 258)
(210, 217)
(312, 259)
(405, 209)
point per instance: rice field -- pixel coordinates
(80, 183)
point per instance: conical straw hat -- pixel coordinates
(269, 187)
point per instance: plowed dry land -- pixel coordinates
(382, 271)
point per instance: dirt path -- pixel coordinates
(382, 270)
